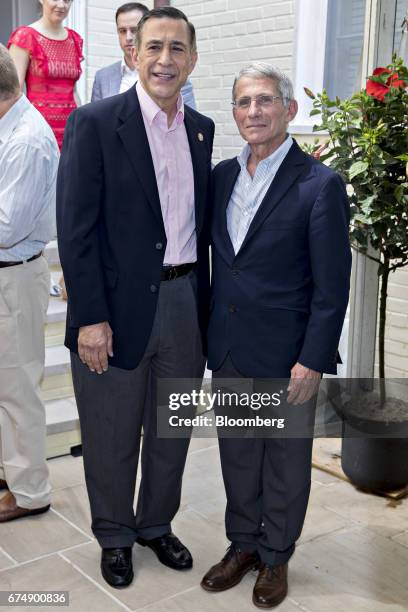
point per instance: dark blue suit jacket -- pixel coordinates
(283, 297)
(111, 235)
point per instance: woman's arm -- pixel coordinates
(21, 59)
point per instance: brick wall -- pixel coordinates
(231, 33)
(102, 40)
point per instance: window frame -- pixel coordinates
(309, 56)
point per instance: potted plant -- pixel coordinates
(368, 146)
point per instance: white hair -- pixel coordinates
(260, 70)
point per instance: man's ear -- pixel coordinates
(194, 57)
(292, 109)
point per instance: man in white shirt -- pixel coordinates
(122, 75)
(28, 160)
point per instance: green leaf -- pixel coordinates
(379, 217)
(365, 204)
(357, 168)
(399, 191)
(325, 156)
(362, 219)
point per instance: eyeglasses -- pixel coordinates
(263, 101)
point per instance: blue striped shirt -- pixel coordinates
(28, 170)
(249, 191)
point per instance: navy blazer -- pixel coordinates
(111, 235)
(283, 297)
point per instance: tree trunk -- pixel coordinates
(381, 331)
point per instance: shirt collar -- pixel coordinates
(151, 110)
(125, 68)
(10, 120)
(281, 151)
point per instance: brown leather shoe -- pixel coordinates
(230, 570)
(3, 484)
(271, 586)
(9, 511)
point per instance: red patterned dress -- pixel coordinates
(54, 68)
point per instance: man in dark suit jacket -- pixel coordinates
(281, 268)
(133, 241)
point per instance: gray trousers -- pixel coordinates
(267, 483)
(114, 406)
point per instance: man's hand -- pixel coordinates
(303, 385)
(94, 346)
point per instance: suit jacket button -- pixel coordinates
(159, 246)
(232, 308)
(153, 288)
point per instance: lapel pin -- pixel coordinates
(200, 137)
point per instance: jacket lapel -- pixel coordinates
(289, 171)
(199, 159)
(221, 215)
(134, 138)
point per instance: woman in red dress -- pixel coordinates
(48, 59)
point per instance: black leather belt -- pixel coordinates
(7, 264)
(172, 272)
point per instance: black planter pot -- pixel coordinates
(375, 464)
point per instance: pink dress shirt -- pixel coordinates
(174, 175)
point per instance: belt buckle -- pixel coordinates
(173, 274)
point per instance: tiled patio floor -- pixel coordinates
(352, 557)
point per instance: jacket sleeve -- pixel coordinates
(96, 89)
(330, 259)
(80, 186)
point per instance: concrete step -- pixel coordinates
(51, 253)
(56, 389)
(61, 415)
(55, 322)
(57, 381)
(62, 426)
(57, 310)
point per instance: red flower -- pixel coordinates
(378, 90)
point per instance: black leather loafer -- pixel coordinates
(170, 551)
(116, 566)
